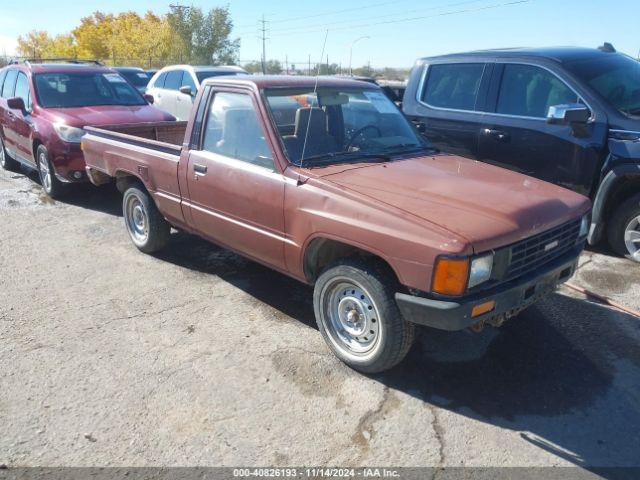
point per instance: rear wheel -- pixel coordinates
(50, 183)
(6, 161)
(148, 229)
(624, 229)
(358, 317)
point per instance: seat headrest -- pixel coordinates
(314, 117)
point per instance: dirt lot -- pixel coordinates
(199, 357)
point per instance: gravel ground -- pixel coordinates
(199, 357)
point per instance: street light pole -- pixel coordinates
(351, 52)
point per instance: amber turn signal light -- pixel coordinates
(482, 308)
(450, 277)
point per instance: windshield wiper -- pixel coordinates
(345, 157)
(407, 148)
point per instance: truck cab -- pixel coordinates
(570, 116)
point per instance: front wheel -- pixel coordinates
(148, 229)
(358, 317)
(624, 229)
(50, 183)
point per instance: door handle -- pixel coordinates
(200, 169)
(497, 134)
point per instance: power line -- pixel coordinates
(384, 16)
(402, 20)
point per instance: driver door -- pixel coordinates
(236, 193)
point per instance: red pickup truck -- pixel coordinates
(326, 181)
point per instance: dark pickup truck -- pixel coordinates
(326, 181)
(567, 115)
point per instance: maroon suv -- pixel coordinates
(44, 108)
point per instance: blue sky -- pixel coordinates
(399, 31)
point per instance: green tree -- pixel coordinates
(203, 38)
(272, 67)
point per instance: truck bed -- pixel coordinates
(157, 135)
(149, 151)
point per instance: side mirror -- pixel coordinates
(148, 98)
(16, 103)
(568, 114)
(186, 89)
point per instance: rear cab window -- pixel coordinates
(452, 86)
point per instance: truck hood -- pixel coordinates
(106, 115)
(487, 206)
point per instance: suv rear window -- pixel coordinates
(529, 91)
(453, 86)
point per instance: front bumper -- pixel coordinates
(68, 160)
(510, 298)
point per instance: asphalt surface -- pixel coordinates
(197, 356)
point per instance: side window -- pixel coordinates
(453, 86)
(22, 90)
(9, 84)
(233, 130)
(529, 91)
(174, 78)
(159, 83)
(187, 81)
(3, 73)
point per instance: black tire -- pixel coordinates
(53, 187)
(622, 219)
(147, 228)
(393, 335)
(6, 161)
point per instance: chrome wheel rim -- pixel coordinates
(136, 219)
(350, 317)
(45, 172)
(632, 238)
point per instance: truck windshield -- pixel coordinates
(338, 124)
(85, 89)
(615, 79)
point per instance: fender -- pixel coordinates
(612, 178)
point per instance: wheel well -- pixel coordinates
(624, 189)
(125, 180)
(322, 252)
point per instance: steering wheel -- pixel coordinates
(359, 132)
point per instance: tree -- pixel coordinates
(272, 67)
(94, 36)
(204, 38)
(34, 44)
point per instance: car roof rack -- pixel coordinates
(79, 61)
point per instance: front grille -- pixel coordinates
(532, 253)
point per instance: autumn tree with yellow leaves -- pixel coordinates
(185, 36)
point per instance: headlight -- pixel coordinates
(585, 224)
(480, 270)
(69, 134)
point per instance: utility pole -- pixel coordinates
(263, 31)
(286, 63)
(309, 71)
